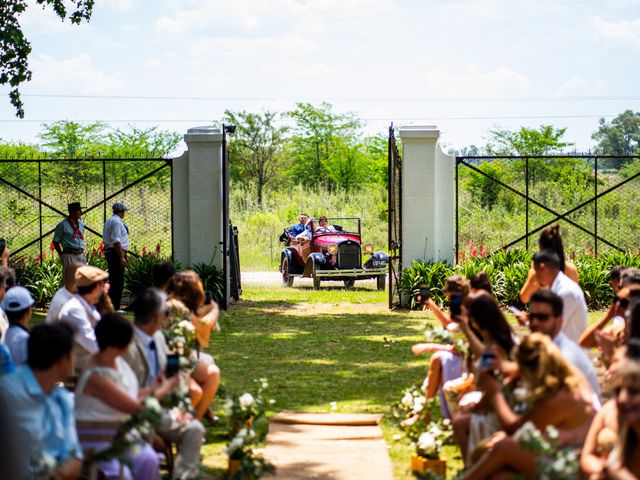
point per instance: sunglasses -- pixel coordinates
(543, 317)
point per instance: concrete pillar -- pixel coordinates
(428, 197)
(197, 199)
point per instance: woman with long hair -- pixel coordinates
(557, 396)
(549, 239)
(187, 302)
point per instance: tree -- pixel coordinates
(620, 137)
(72, 139)
(320, 135)
(15, 48)
(544, 140)
(257, 151)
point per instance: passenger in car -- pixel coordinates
(324, 226)
(299, 227)
(311, 227)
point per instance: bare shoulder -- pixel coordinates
(571, 271)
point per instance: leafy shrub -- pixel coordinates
(138, 274)
(212, 279)
(426, 273)
(41, 278)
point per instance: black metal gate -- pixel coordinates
(586, 208)
(35, 193)
(394, 174)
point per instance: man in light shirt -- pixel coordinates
(64, 294)
(115, 237)
(80, 311)
(18, 304)
(547, 267)
(545, 316)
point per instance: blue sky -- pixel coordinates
(465, 66)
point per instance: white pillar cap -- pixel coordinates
(419, 131)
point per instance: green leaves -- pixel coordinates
(15, 48)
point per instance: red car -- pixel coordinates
(335, 255)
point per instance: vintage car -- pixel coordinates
(335, 255)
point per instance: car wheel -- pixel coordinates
(349, 283)
(381, 281)
(287, 278)
(316, 283)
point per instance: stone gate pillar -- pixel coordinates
(197, 199)
(428, 197)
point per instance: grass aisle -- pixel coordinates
(319, 347)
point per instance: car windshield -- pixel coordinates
(344, 224)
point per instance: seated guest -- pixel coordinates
(7, 280)
(108, 391)
(64, 294)
(549, 239)
(307, 233)
(147, 356)
(18, 304)
(42, 413)
(547, 265)
(80, 311)
(545, 316)
(298, 228)
(557, 397)
(481, 282)
(186, 302)
(161, 275)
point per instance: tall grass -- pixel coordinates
(259, 226)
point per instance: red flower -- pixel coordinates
(144, 250)
(483, 252)
(474, 252)
(101, 247)
(94, 251)
(36, 260)
(158, 248)
(52, 247)
(44, 256)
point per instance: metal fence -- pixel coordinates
(595, 198)
(35, 194)
(395, 219)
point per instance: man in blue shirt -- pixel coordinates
(68, 239)
(41, 413)
(300, 227)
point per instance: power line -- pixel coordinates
(390, 118)
(338, 99)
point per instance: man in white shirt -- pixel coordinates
(547, 267)
(64, 294)
(545, 316)
(80, 311)
(115, 237)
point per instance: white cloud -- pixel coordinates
(117, 5)
(577, 86)
(166, 25)
(75, 74)
(625, 31)
(282, 45)
(153, 63)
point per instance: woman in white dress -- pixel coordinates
(108, 391)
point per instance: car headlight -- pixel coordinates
(332, 249)
(368, 248)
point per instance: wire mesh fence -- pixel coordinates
(35, 194)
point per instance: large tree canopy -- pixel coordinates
(620, 137)
(14, 46)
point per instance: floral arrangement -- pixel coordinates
(413, 402)
(181, 339)
(554, 461)
(242, 414)
(131, 434)
(441, 335)
(430, 442)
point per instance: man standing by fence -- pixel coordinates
(68, 239)
(115, 238)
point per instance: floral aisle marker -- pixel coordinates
(243, 415)
(428, 448)
(554, 461)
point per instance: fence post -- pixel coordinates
(428, 197)
(197, 199)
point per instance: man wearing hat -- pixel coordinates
(115, 238)
(18, 303)
(68, 239)
(80, 311)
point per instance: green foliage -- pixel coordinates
(212, 279)
(42, 278)
(257, 150)
(431, 274)
(15, 48)
(138, 274)
(619, 137)
(527, 141)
